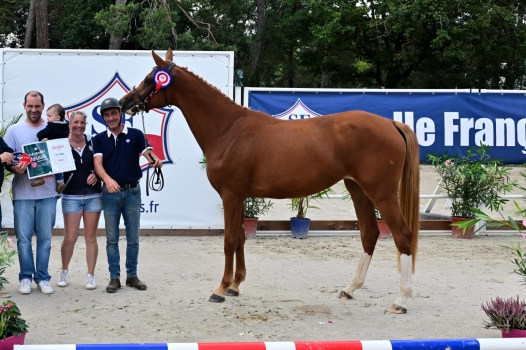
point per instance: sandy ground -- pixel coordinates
(289, 294)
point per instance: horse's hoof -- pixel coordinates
(214, 298)
(344, 295)
(395, 309)
(231, 293)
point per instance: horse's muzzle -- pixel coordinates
(133, 111)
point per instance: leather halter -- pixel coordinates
(143, 100)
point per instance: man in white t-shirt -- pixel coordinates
(34, 207)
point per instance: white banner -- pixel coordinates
(80, 80)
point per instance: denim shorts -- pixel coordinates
(91, 205)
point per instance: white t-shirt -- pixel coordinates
(16, 136)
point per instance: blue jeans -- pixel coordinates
(34, 216)
(128, 204)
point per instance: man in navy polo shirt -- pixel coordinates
(116, 159)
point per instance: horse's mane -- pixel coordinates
(213, 87)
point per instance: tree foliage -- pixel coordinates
(13, 15)
(310, 43)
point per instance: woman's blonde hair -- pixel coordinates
(75, 113)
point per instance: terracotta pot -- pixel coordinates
(251, 225)
(514, 333)
(10, 342)
(384, 229)
(458, 232)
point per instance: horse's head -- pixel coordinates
(145, 96)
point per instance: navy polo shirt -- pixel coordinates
(120, 157)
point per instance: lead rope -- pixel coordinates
(156, 182)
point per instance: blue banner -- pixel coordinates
(443, 121)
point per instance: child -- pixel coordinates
(57, 128)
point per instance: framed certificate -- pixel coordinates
(49, 157)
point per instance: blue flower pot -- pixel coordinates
(299, 228)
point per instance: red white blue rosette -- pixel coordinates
(21, 157)
(161, 79)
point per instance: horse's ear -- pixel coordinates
(169, 55)
(158, 60)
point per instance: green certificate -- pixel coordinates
(49, 157)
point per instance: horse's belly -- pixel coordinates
(276, 184)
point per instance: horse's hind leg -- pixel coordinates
(241, 270)
(369, 232)
(402, 237)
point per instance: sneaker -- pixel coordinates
(38, 182)
(136, 283)
(113, 286)
(90, 282)
(63, 278)
(25, 286)
(61, 186)
(45, 287)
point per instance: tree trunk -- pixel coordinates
(260, 23)
(30, 26)
(41, 24)
(116, 41)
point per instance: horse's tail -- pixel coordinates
(410, 187)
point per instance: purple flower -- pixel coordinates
(505, 314)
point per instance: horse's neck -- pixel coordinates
(208, 112)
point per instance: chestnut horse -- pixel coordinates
(251, 154)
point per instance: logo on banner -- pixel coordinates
(156, 120)
(299, 110)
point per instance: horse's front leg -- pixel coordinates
(233, 208)
(241, 270)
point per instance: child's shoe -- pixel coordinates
(61, 186)
(38, 182)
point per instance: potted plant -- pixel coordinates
(508, 315)
(471, 181)
(299, 224)
(253, 208)
(385, 231)
(13, 327)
